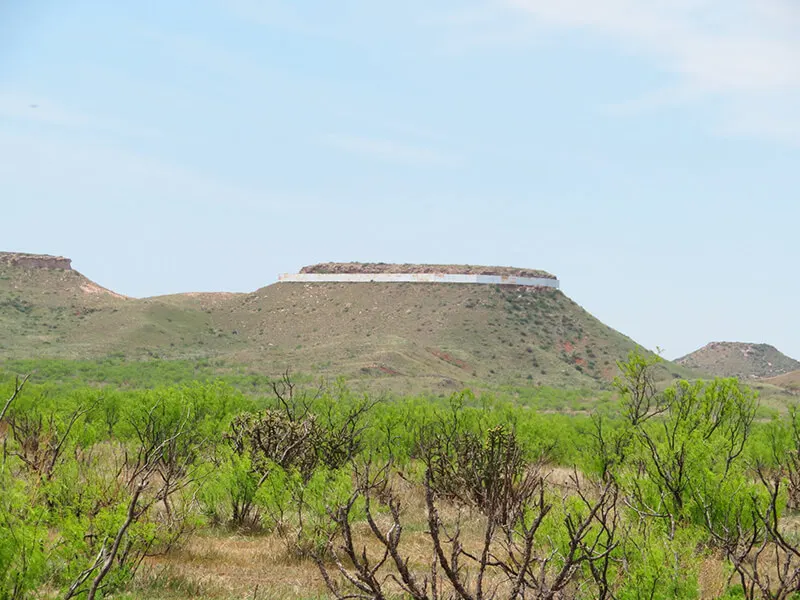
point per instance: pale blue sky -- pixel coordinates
(645, 151)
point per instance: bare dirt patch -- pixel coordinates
(449, 358)
(96, 290)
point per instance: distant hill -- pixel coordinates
(405, 336)
(737, 359)
(789, 381)
(55, 311)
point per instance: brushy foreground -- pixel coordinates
(201, 491)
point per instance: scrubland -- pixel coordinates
(301, 489)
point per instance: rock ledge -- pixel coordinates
(35, 261)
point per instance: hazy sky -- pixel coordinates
(645, 151)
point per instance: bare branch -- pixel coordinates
(18, 385)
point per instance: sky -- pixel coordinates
(647, 152)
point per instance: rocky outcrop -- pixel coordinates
(35, 261)
(376, 268)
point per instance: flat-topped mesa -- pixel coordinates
(35, 261)
(416, 273)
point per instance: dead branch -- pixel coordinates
(18, 385)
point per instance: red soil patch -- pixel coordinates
(449, 358)
(387, 370)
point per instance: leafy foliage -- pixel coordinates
(624, 503)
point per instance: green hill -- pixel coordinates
(53, 312)
(401, 336)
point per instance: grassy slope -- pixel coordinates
(41, 309)
(442, 334)
(789, 381)
(405, 337)
(54, 313)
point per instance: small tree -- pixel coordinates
(691, 435)
(534, 543)
(140, 483)
(299, 435)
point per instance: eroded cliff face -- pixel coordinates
(35, 261)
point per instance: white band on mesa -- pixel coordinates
(417, 278)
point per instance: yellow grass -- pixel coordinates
(236, 566)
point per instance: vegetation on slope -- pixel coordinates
(402, 337)
(59, 313)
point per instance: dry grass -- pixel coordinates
(712, 578)
(220, 564)
(790, 381)
(235, 566)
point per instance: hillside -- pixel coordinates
(43, 301)
(444, 333)
(789, 381)
(736, 359)
(55, 311)
(405, 336)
